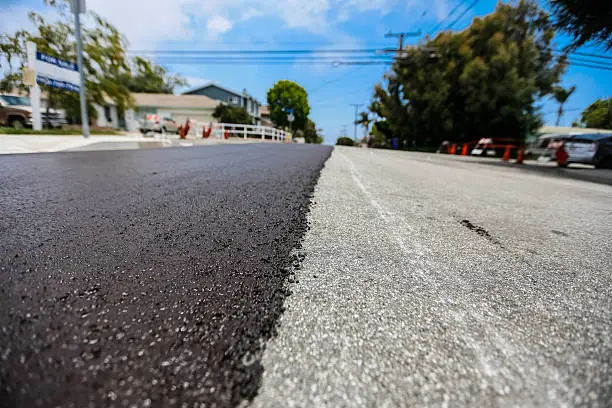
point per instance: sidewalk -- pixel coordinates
(15, 144)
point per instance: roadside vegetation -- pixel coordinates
(288, 99)
(345, 141)
(597, 116)
(485, 81)
(109, 72)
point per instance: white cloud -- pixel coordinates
(218, 25)
(146, 22)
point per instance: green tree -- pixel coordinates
(106, 65)
(284, 96)
(232, 114)
(345, 141)
(147, 77)
(561, 95)
(483, 81)
(311, 134)
(585, 20)
(598, 115)
(364, 120)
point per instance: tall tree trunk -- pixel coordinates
(559, 114)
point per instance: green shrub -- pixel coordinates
(345, 141)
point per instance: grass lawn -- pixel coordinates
(55, 132)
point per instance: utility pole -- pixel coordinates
(78, 7)
(401, 37)
(356, 105)
(344, 131)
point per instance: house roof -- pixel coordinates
(212, 84)
(174, 101)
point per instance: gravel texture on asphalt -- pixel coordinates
(146, 278)
(435, 282)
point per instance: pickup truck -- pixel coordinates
(16, 112)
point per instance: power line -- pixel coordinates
(447, 17)
(585, 54)
(471, 6)
(335, 79)
(215, 52)
(576, 64)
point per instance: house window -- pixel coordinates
(107, 114)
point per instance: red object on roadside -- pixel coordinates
(226, 134)
(561, 156)
(521, 156)
(506, 156)
(464, 150)
(206, 132)
(184, 130)
(453, 149)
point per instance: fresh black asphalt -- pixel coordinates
(148, 277)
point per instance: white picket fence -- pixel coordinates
(245, 131)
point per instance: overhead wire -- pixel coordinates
(462, 2)
(471, 6)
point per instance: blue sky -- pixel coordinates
(297, 24)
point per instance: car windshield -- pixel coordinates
(16, 100)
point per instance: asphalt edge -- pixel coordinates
(287, 269)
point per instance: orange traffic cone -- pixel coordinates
(506, 155)
(453, 149)
(464, 150)
(521, 156)
(206, 132)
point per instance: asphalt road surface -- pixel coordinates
(146, 278)
(159, 278)
(434, 281)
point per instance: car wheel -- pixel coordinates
(604, 163)
(17, 123)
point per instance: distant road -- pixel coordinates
(145, 277)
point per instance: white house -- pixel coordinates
(178, 107)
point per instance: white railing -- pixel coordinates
(244, 131)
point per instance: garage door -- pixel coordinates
(200, 119)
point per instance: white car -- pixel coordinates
(157, 124)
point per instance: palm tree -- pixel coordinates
(561, 95)
(364, 119)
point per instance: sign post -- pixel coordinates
(78, 7)
(50, 71)
(35, 89)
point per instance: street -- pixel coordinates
(430, 280)
(147, 277)
(246, 275)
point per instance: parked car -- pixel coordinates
(16, 112)
(493, 147)
(157, 124)
(593, 149)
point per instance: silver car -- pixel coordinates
(157, 124)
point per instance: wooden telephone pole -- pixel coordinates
(401, 37)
